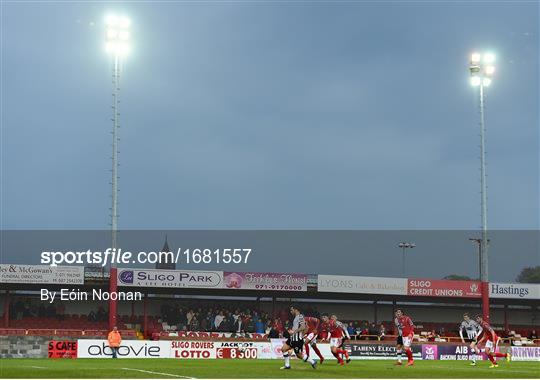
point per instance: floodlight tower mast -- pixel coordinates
(482, 69)
(117, 37)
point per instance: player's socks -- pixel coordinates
(316, 349)
(336, 355)
(499, 355)
(306, 346)
(409, 354)
(399, 355)
(491, 358)
(343, 352)
(287, 360)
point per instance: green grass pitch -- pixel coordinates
(174, 368)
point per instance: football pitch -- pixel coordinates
(185, 369)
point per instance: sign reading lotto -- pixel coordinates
(443, 288)
(519, 291)
(365, 285)
(41, 274)
(158, 278)
(266, 281)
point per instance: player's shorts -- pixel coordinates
(399, 340)
(470, 340)
(311, 337)
(296, 343)
(491, 345)
(407, 341)
(335, 342)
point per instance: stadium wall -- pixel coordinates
(24, 347)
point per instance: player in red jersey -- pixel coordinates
(492, 342)
(310, 337)
(405, 326)
(337, 330)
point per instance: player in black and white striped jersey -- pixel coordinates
(296, 340)
(472, 330)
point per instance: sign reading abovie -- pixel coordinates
(41, 274)
(266, 281)
(365, 285)
(158, 278)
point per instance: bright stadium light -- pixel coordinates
(489, 58)
(117, 36)
(481, 69)
(475, 81)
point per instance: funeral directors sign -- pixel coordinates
(41, 274)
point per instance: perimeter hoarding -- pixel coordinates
(158, 278)
(443, 288)
(364, 285)
(522, 354)
(448, 352)
(41, 274)
(266, 281)
(514, 291)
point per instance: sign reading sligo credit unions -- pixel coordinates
(444, 288)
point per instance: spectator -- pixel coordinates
(101, 314)
(92, 316)
(259, 327)
(273, 334)
(373, 331)
(218, 320)
(238, 325)
(382, 332)
(431, 336)
(533, 335)
(194, 323)
(350, 329)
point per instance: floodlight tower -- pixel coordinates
(404, 246)
(482, 69)
(117, 45)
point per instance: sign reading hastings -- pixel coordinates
(41, 274)
(443, 288)
(158, 278)
(518, 291)
(365, 285)
(266, 281)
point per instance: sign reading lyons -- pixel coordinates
(158, 278)
(365, 285)
(41, 274)
(519, 291)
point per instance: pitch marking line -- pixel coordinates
(158, 373)
(36, 366)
